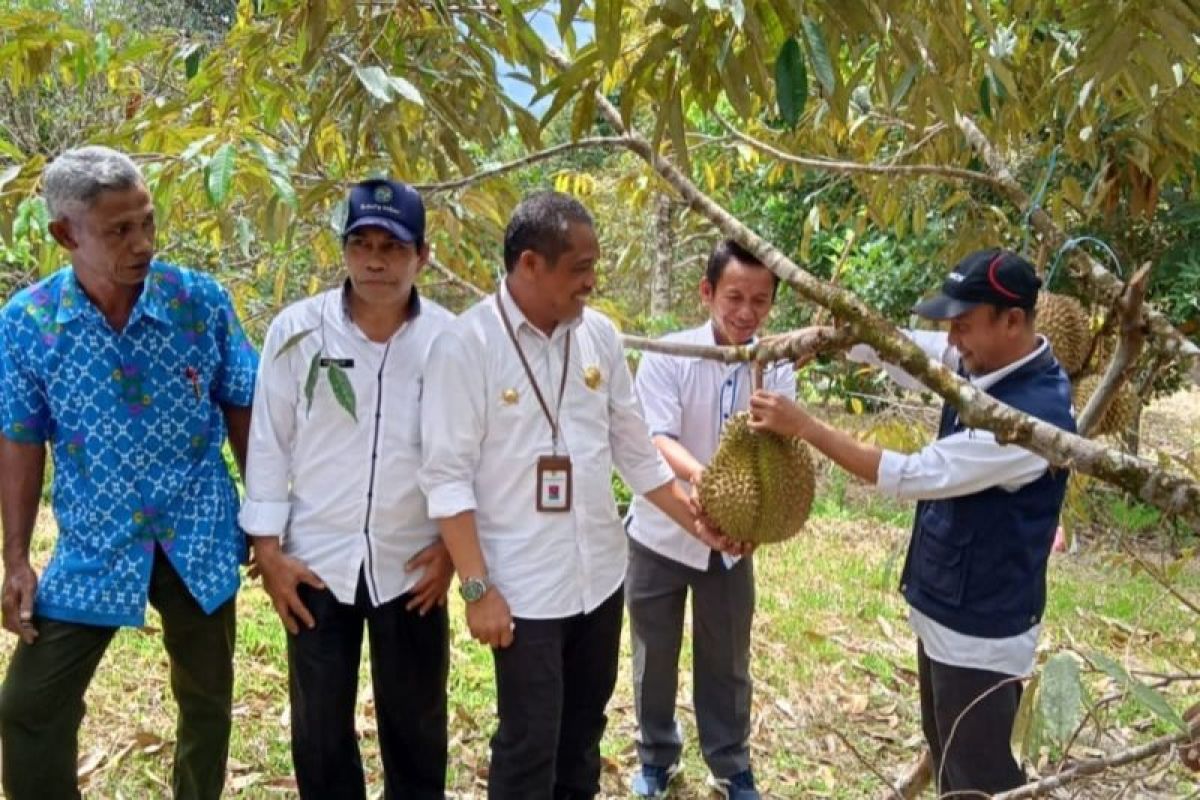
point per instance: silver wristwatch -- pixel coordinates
(473, 589)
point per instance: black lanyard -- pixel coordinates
(562, 386)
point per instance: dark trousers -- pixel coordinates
(971, 751)
(410, 660)
(656, 588)
(552, 685)
(41, 702)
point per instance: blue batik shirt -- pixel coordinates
(135, 428)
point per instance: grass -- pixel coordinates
(833, 663)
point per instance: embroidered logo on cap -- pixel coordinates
(383, 194)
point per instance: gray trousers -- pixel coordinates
(656, 589)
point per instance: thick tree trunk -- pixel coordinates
(664, 256)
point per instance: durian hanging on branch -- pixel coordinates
(759, 487)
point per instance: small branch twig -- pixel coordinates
(782, 347)
(855, 168)
(1095, 766)
(1129, 347)
(1158, 577)
(532, 158)
(914, 781)
(841, 737)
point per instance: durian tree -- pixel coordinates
(923, 108)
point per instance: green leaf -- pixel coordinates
(791, 82)
(1149, 698)
(1026, 723)
(343, 391)
(985, 97)
(293, 340)
(405, 89)
(7, 175)
(191, 60)
(220, 174)
(375, 81)
(1061, 700)
(608, 29)
(567, 9)
(903, 85)
(103, 50)
(9, 149)
(822, 66)
(310, 382)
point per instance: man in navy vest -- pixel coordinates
(975, 576)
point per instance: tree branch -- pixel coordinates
(1166, 490)
(1095, 766)
(914, 781)
(532, 158)
(781, 347)
(1129, 347)
(1095, 279)
(455, 279)
(855, 168)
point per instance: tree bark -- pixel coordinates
(664, 256)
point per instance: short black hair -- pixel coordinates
(541, 223)
(720, 257)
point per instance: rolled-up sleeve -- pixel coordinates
(267, 507)
(637, 459)
(452, 424)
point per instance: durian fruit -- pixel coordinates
(1062, 320)
(759, 486)
(1121, 410)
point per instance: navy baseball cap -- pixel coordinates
(996, 277)
(381, 203)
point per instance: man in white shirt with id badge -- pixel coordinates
(687, 402)
(340, 527)
(529, 406)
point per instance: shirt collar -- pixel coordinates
(152, 301)
(989, 380)
(518, 318)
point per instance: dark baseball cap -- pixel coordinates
(381, 203)
(996, 277)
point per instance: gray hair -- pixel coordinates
(541, 223)
(73, 181)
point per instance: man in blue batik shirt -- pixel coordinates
(133, 372)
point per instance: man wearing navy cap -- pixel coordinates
(975, 575)
(340, 527)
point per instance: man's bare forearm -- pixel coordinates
(22, 469)
(462, 542)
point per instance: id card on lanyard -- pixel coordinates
(553, 472)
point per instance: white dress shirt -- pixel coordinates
(342, 492)
(483, 431)
(962, 463)
(689, 400)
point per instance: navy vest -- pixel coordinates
(977, 563)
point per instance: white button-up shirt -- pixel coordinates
(342, 492)
(483, 431)
(689, 400)
(962, 463)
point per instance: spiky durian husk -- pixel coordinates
(1062, 320)
(1121, 411)
(759, 486)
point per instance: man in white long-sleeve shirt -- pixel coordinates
(975, 575)
(529, 405)
(687, 402)
(339, 525)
